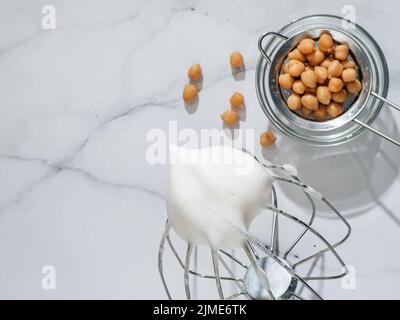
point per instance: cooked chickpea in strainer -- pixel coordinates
(334, 109)
(309, 78)
(342, 52)
(286, 81)
(294, 102)
(325, 43)
(296, 55)
(319, 78)
(306, 46)
(298, 87)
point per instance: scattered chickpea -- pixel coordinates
(315, 57)
(236, 60)
(335, 69)
(324, 95)
(298, 87)
(296, 69)
(354, 87)
(335, 85)
(309, 101)
(230, 117)
(306, 46)
(349, 75)
(189, 92)
(309, 78)
(286, 81)
(267, 138)
(320, 114)
(334, 109)
(296, 55)
(340, 96)
(294, 102)
(237, 100)
(341, 52)
(325, 43)
(194, 72)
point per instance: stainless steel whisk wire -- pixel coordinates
(271, 251)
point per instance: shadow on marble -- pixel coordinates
(353, 176)
(239, 74)
(191, 107)
(231, 132)
(242, 112)
(198, 83)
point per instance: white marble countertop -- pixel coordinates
(76, 103)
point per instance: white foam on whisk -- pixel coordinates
(213, 189)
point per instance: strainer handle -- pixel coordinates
(379, 133)
(260, 40)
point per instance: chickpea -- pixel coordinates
(309, 78)
(340, 96)
(325, 43)
(285, 81)
(334, 109)
(349, 75)
(296, 55)
(237, 100)
(342, 52)
(194, 72)
(335, 85)
(189, 93)
(236, 60)
(230, 117)
(326, 62)
(315, 57)
(306, 46)
(321, 72)
(348, 64)
(306, 113)
(267, 138)
(354, 87)
(309, 101)
(296, 69)
(286, 67)
(335, 69)
(294, 102)
(320, 114)
(324, 95)
(298, 87)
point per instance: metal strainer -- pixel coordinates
(373, 74)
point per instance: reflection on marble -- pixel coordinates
(76, 191)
